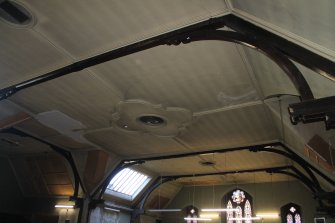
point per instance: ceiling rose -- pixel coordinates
(143, 116)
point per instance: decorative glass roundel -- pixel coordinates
(238, 196)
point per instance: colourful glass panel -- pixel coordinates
(230, 214)
(289, 218)
(297, 218)
(247, 211)
(238, 196)
(238, 214)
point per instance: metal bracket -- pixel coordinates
(316, 110)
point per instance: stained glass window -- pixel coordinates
(191, 212)
(230, 214)
(291, 213)
(247, 211)
(297, 218)
(237, 199)
(238, 214)
(289, 218)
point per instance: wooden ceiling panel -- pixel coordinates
(43, 175)
(167, 191)
(95, 168)
(230, 128)
(52, 164)
(187, 165)
(320, 85)
(233, 179)
(25, 54)
(269, 76)
(117, 22)
(81, 96)
(134, 144)
(13, 144)
(303, 21)
(57, 179)
(198, 76)
(61, 190)
(272, 80)
(239, 160)
(221, 85)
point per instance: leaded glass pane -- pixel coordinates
(238, 214)
(297, 218)
(289, 218)
(247, 211)
(230, 214)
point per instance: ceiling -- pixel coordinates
(211, 94)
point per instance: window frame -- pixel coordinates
(285, 210)
(134, 195)
(228, 197)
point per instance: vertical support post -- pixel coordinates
(83, 216)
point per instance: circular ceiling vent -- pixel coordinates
(151, 120)
(15, 14)
(207, 163)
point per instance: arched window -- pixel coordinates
(247, 211)
(191, 212)
(240, 200)
(291, 213)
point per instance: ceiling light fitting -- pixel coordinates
(198, 219)
(111, 209)
(209, 215)
(245, 219)
(164, 210)
(64, 206)
(219, 209)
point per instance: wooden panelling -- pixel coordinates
(95, 168)
(320, 152)
(57, 178)
(49, 176)
(158, 202)
(61, 190)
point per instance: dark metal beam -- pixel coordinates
(230, 172)
(293, 157)
(266, 48)
(160, 180)
(204, 152)
(201, 31)
(66, 154)
(255, 148)
(213, 23)
(303, 56)
(312, 184)
(294, 175)
(311, 167)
